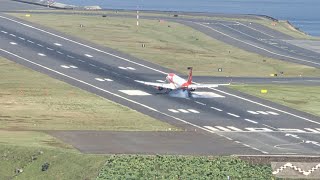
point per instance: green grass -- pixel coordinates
(171, 45)
(300, 97)
(70, 165)
(34, 101)
(282, 26)
(181, 167)
(64, 164)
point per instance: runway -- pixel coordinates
(253, 125)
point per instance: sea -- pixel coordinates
(303, 14)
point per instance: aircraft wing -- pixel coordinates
(196, 86)
(163, 85)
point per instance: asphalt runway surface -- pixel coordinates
(244, 124)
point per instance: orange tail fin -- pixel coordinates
(190, 75)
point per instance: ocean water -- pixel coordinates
(304, 14)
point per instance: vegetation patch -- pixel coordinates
(181, 167)
(300, 97)
(170, 45)
(38, 163)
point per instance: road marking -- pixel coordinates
(30, 41)
(182, 110)
(125, 68)
(67, 67)
(162, 81)
(234, 128)
(92, 65)
(4, 32)
(258, 47)
(13, 43)
(200, 103)
(40, 54)
(57, 44)
(291, 130)
(88, 55)
(234, 115)
(135, 92)
(273, 113)
(114, 94)
(216, 108)
(131, 68)
(255, 29)
(70, 56)
(173, 110)
(194, 111)
(223, 128)
(40, 45)
(22, 38)
(261, 112)
(211, 128)
(59, 52)
(259, 129)
(12, 35)
(104, 79)
(207, 94)
(49, 49)
(80, 60)
(254, 122)
(120, 67)
(252, 112)
(312, 130)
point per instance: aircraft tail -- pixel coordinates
(190, 75)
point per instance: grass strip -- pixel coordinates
(300, 97)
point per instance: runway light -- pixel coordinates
(264, 91)
(28, 15)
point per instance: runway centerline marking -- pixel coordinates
(234, 115)
(40, 54)
(57, 44)
(12, 35)
(88, 55)
(30, 41)
(40, 45)
(4, 32)
(203, 104)
(22, 38)
(217, 109)
(49, 48)
(249, 120)
(13, 43)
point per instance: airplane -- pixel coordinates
(174, 82)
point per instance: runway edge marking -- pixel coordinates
(127, 99)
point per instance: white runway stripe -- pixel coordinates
(254, 122)
(216, 108)
(183, 110)
(234, 128)
(194, 111)
(173, 110)
(252, 112)
(273, 113)
(234, 115)
(223, 128)
(211, 128)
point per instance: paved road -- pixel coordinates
(246, 121)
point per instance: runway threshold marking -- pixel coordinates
(135, 92)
